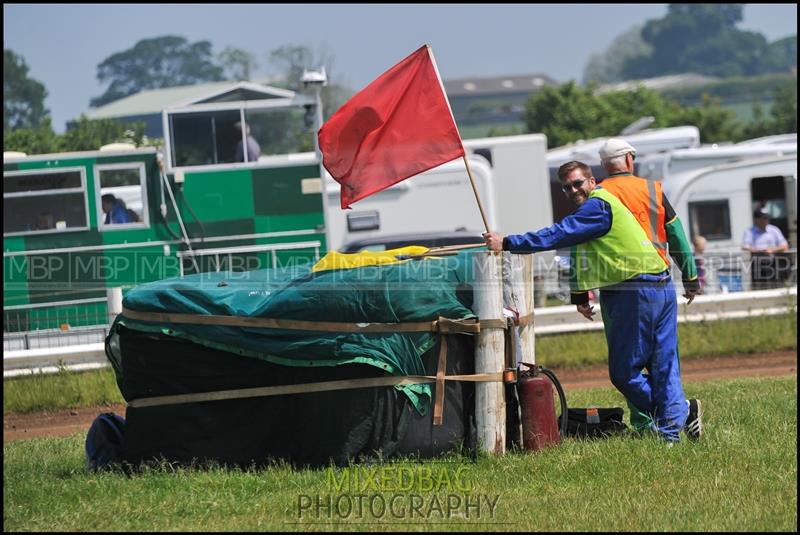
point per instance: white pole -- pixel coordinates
(490, 404)
(319, 119)
(114, 296)
(523, 267)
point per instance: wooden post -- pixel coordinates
(114, 296)
(490, 404)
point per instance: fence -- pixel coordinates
(721, 272)
(550, 320)
(65, 323)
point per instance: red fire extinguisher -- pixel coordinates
(535, 389)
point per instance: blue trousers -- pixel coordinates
(640, 318)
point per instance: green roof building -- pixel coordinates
(147, 106)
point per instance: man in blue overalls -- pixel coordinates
(610, 251)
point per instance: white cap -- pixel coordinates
(615, 147)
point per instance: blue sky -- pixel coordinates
(63, 43)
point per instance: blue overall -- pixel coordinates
(640, 318)
(650, 343)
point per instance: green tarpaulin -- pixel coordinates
(409, 291)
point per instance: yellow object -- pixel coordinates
(334, 260)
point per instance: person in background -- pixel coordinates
(253, 148)
(115, 210)
(699, 243)
(763, 241)
(612, 252)
(648, 204)
(44, 221)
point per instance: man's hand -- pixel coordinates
(494, 241)
(587, 311)
(691, 289)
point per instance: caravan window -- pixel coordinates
(122, 187)
(710, 219)
(42, 201)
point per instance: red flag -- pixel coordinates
(398, 126)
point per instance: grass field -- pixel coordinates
(741, 477)
(67, 390)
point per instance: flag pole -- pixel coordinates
(469, 171)
(477, 196)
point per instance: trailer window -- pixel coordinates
(280, 131)
(215, 137)
(121, 196)
(204, 138)
(43, 201)
(710, 219)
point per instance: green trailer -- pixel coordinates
(189, 208)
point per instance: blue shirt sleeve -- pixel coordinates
(591, 220)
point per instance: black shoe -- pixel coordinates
(694, 422)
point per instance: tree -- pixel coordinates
(294, 59)
(781, 55)
(699, 38)
(568, 113)
(40, 139)
(729, 53)
(716, 124)
(83, 134)
(565, 113)
(607, 67)
(156, 63)
(238, 64)
(23, 97)
(87, 134)
(784, 109)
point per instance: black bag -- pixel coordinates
(104, 441)
(595, 422)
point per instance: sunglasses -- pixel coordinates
(566, 188)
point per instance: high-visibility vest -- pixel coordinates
(645, 200)
(620, 254)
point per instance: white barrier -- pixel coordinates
(50, 360)
(549, 320)
(564, 319)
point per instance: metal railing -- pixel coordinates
(725, 272)
(59, 324)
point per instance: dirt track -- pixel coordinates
(62, 423)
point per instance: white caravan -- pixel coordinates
(718, 202)
(663, 166)
(646, 142)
